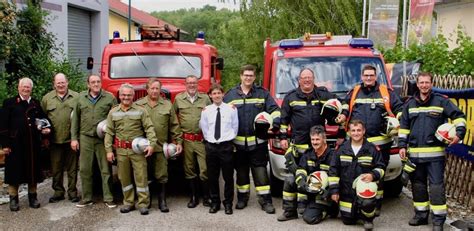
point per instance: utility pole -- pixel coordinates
(129, 19)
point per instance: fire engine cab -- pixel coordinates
(159, 54)
(337, 62)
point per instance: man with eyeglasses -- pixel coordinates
(252, 152)
(371, 102)
(188, 106)
(300, 110)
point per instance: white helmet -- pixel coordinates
(139, 145)
(392, 126)
(42, 123)
(331, 109)
(101, 127)
(262, 122)
(169, 149)
(446, 133)
(365, 190)
(317, 180)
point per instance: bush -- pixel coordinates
(436, 57)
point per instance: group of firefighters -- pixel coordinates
(230, 131)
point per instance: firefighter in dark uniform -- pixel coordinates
(422, 115)
(316, 158)
(301, 109)
(356, 157)
(371, 102)
(252, 152)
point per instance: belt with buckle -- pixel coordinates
(122, 144)
(193, 136)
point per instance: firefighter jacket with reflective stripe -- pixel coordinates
(419, 122)
(302, 111)
(248, 106)
(346, 167)
(370, 108)
(310, 163)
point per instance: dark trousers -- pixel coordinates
(255, 160)
(435, 199)
(63, 158)
(220, 157)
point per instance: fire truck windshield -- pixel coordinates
(164, 66)
(337, 74)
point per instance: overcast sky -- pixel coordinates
(167, 5)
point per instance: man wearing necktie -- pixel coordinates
(219, 124)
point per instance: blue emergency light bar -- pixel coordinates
(291, 44)
(361, 43)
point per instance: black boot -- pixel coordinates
(32, 198)
(194, 200)
(14, 203)
(242, 199)
(162, 198)
(205, 193)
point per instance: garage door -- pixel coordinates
(79, 36)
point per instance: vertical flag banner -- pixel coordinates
(419, 25)
(383, 21)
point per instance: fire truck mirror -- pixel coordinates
(90, 63)
(220, 63)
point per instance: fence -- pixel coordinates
(459, 175)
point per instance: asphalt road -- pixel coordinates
(64, 215)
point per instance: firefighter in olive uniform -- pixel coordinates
(316, 158)
(371, 102)
(92, 106)
(125, 123)
(301, 109)
(355, 158)
(422, 115)
(58, 104)
(252, 152)
(188, 105)
(167, 129)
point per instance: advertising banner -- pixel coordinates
(383, 21)
(419, 24)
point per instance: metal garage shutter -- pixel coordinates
(79, 36)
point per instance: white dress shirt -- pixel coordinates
(229, 122)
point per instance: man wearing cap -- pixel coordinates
(355, 158)
(166, 126)
(188, 105)
(125, 123)
(422, 115)
(92, 106)
(58, 104)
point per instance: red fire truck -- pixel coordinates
(159, 54)
(337, 62)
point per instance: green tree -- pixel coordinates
(29, 51)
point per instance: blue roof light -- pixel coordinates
(291, 44)
(116, 34)
(361, 43)
(200, 35)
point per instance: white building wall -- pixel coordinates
(99, 22)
